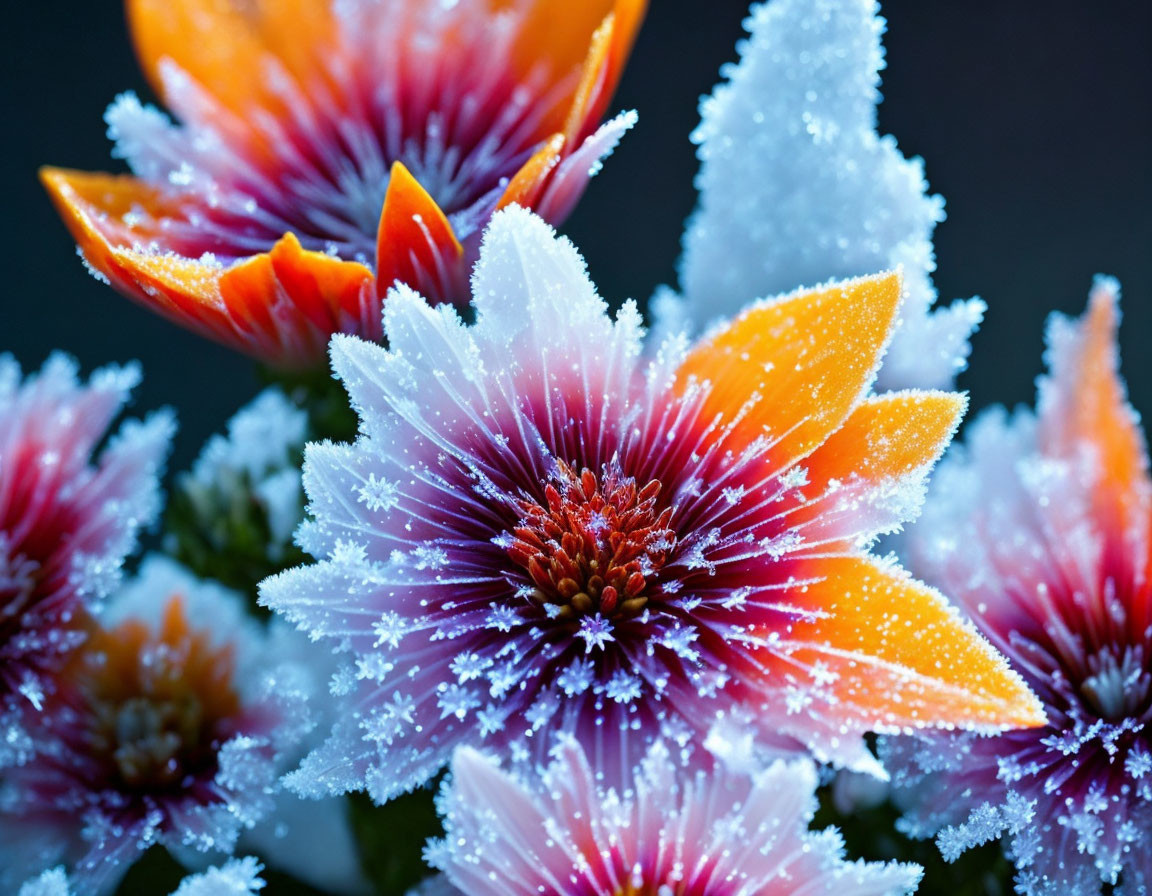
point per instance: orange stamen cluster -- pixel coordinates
(157, 703)
(591, 549)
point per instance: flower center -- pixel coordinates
(1118, 687)
(594, 545)
(156, 705)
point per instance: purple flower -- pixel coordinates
(1041, 528)
(671, 831)
(542, 531)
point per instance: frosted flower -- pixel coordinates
(166, 727)
(1040, 528)
(581, 540)
(328, 148)
(67, 518)
(672, 831)
(796, 185)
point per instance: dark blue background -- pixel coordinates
(1035, 120)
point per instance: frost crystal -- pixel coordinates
(796, 186)
(256, 463)
(570, 522)
(67, 519)
(237, 877)
(1040, 528)
(671, 831)
(171, 724)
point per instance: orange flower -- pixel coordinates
(329, 148)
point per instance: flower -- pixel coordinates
(540, 532)
(329, 148)
(796, 185)
(166, 727)
(67, 519)
(692, 834)
(1040, 529)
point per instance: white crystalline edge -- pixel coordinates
(796, 187)
(261, 438)
(236, 877)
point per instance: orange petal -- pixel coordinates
(603, 65)
(89, 202)
(887, 439)
(1085, 403)
(415, 243)
(290, 301)
(792, 369)
(94, 206)
(591, 37)
(222, 44)
(280, 306)
(560, 32)
(893, 653)
(528, 183)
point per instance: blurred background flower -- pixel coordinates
(1040, 528)
(668, 830)
(171, 724)
(73, 502)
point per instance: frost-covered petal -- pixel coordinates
(671, 831)
(236, 877)
(796, 186)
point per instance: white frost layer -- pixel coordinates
(797, 187)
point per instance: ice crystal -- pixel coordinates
(571, 521)
(53, 882)
(237, 877)
(170, 725)
(671, 831)
(1039, 527)
(796, 186)
(67, 518)
(256, 463)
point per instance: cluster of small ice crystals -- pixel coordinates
(796, 186)
(236, 877)
(257, 460)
